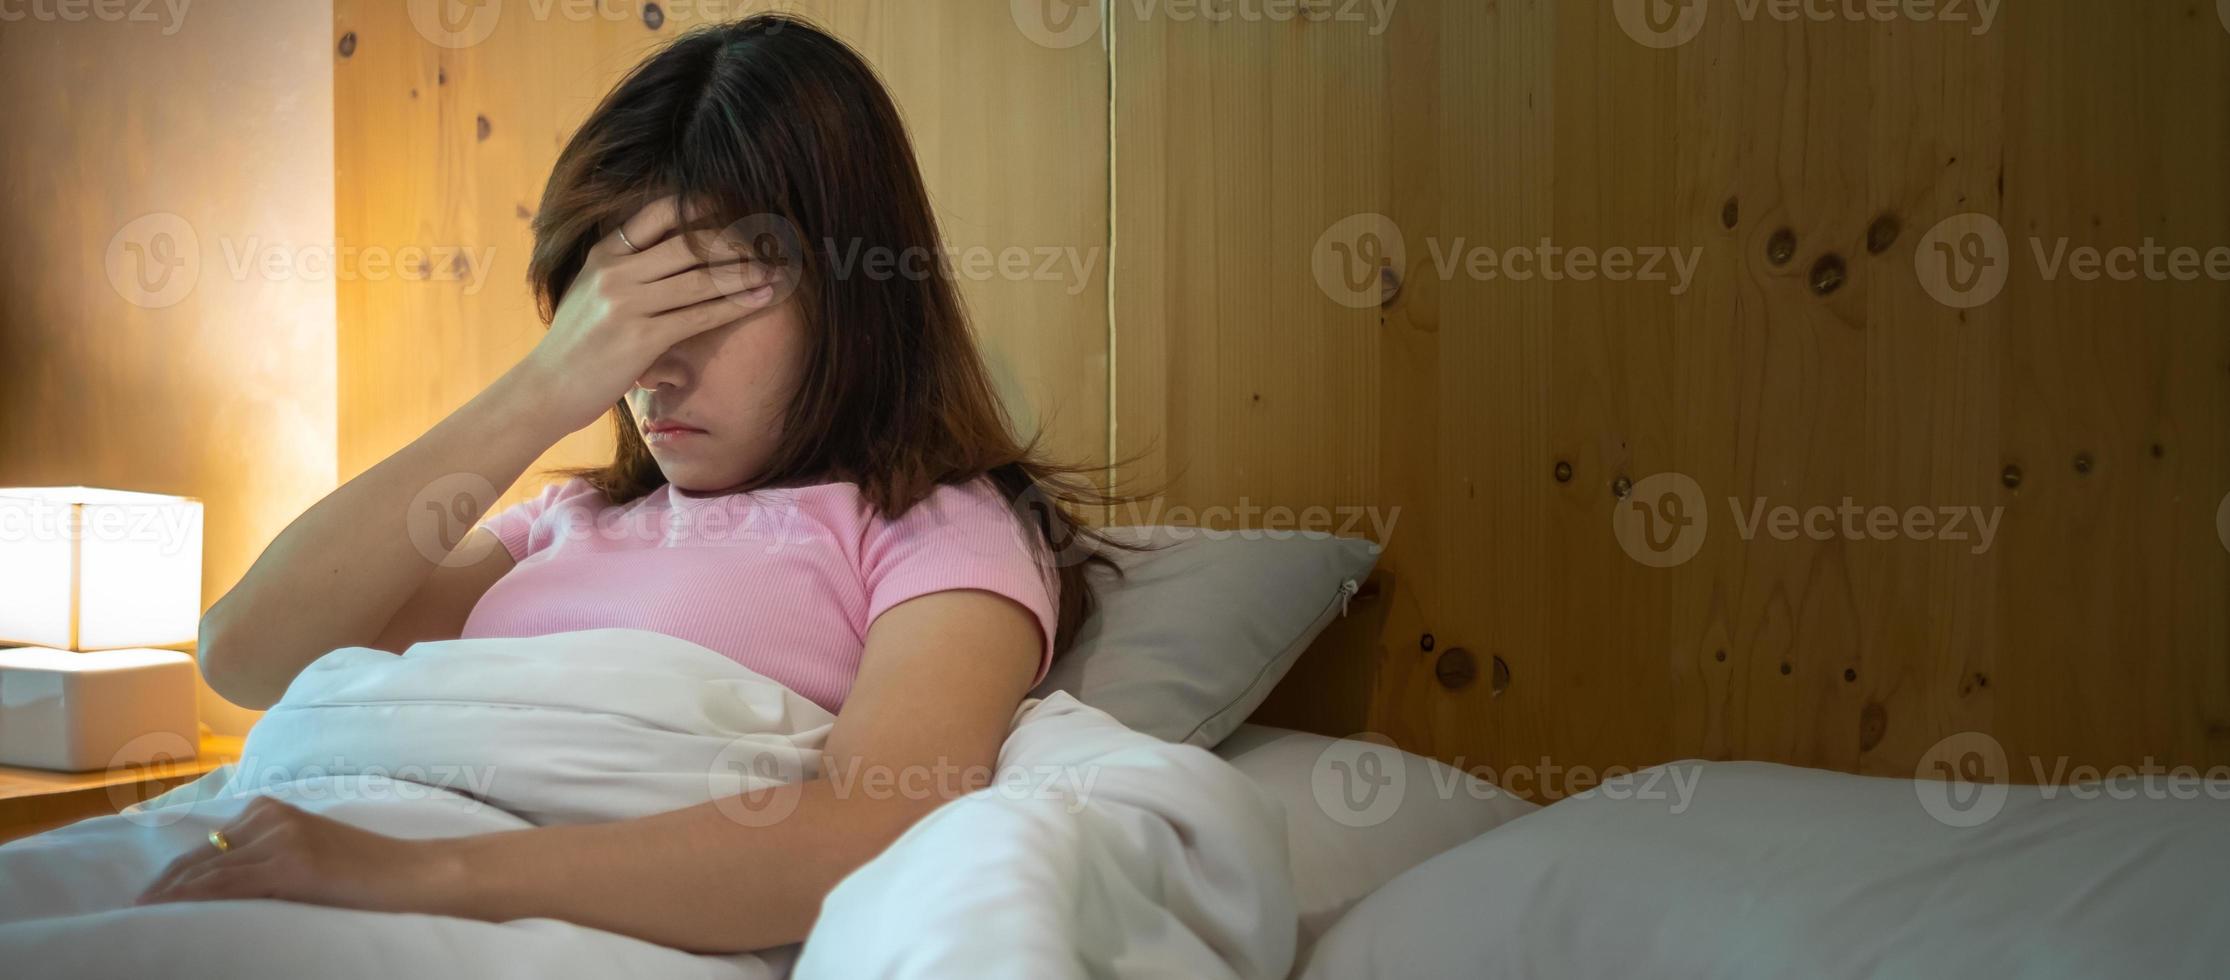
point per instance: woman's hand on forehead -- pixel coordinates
(665, 250)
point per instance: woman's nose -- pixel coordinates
(669, 370)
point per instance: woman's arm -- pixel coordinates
(339, 574)
(936, 693)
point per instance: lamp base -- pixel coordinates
(75, 712)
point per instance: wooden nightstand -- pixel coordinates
(34, 800)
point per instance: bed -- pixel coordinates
(1142, 826)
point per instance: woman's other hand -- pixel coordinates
(281, 851)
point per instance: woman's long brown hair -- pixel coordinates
(772, 127)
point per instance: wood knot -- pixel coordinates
(1829, 274)
(1780, 248)
(1882, 234)
(1873, 723)
(1455, 669)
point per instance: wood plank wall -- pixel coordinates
(160, 282)
(1494, 423)
(1806, 364)
(447, 145)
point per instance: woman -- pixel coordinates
(901, 589)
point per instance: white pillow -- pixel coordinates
(1748, 869)
(1192, 639)
(1359, 813)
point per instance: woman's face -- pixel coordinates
(729, 387)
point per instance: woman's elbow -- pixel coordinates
(228, 666)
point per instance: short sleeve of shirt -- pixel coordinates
(514, 525)
(961, 537)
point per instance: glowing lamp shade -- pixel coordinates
(86, 569)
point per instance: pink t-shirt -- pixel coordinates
(783, 581)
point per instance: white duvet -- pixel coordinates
(1097, 850)
(1755, 871)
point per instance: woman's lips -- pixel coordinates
(662, 432)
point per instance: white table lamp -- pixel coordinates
(90, 580)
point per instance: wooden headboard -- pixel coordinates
(1814, 358)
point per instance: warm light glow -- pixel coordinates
(89, 569)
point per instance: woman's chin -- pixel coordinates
(700, 484)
